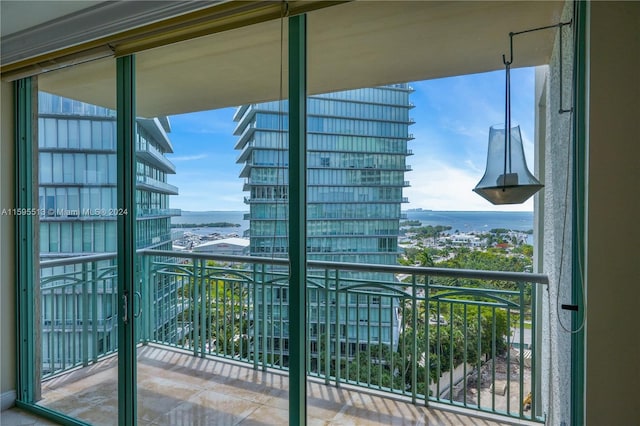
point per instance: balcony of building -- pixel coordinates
(176, 388)
(155, 213)
(420, 345)
(247, 111)
(151, 184)
(156, 128)
(245, 135)
(153, 156)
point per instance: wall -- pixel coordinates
(7, 281)
(554, 130)
(613, 211)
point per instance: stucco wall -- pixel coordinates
(613, 215)
(7, 281)
(612, 211)
(555, 132)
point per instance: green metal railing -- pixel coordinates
(78, 322)
(456, 337)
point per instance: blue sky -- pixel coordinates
(452, 115)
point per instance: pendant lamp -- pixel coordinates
(507, 179)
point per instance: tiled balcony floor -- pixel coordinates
(176, 388)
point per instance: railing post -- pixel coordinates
(204, 337)
(195, 311)
(509, 343)
(336, 331)
(146, 278)
(535, 383)
(254, 317)
(151, 297)
(414, 345)
(85, 316)
(521, 357)
(451, 347)
(94, 307)
(326, 336)
(439, 352)
(264, 324)
(427, 354)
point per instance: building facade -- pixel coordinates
(78, 215)
(357, 145)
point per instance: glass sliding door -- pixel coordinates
(76, 304)
(212, 187)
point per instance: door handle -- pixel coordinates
(137, 314)
(125, 308)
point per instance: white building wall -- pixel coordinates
(556, 227)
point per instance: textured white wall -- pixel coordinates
(612, 276)
(556, 230)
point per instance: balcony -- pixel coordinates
(154, 185)
(380, 348)
(156, 130)
(245, 136)
(153, 213)
(175, 388)
(151, 155)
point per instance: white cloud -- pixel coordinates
(188, 157)
(440, 186)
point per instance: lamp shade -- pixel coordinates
(507, 179)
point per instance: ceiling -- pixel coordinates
(19, 15)
(357, 44)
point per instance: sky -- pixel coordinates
(452, 120)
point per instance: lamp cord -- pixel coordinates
(572, 144)
(507, 121)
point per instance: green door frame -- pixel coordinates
(298, 219)
(578, 218)
(26, 184)
(126, 163)
(24, 92)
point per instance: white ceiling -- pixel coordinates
(358, 44)
(18, 15)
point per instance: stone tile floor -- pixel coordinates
(178, 389)
(18, 417)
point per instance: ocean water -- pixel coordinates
(474, 221)
(212, 217)
(462, 221)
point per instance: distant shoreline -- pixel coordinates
(414, 210)
(459, 221)
(206, 225)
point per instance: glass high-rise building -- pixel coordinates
(78, 215)
(357, 150)
(77, 179)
